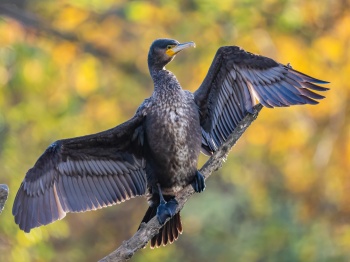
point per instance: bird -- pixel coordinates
(155, 153)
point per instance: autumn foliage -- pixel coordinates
(70, 68)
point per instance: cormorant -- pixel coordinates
(155, 152)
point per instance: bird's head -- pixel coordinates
(162, 51)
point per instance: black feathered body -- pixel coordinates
(173, 135)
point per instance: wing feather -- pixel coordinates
(236, 81)
(122, 188)
(81, 174)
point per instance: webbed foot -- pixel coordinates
(166, 210)
(199, 182)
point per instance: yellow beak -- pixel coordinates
(176, 49)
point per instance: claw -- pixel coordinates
(199, 182)
(166, 210)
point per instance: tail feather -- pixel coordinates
(168, 233)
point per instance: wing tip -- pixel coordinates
(306, 77)
(319, 81)
(25, 209)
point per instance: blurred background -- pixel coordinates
(70, 68)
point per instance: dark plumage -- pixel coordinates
(155, 153)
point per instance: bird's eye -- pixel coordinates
(169, 47)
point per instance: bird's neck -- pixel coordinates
(164, 81)
(156, 72)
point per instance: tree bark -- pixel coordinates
(140, 239)
(4, 192)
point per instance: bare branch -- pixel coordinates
(149, 230)
(4, 192)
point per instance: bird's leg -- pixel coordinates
(199, 182)
(165, 209)
(161, 198)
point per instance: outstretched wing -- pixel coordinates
(81, 174)
(236, 79)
